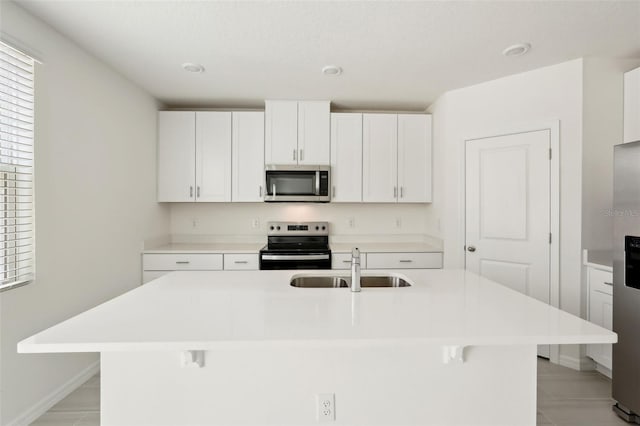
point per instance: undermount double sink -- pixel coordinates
(318, 281)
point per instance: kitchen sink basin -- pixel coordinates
(335, 282)
(319, 282)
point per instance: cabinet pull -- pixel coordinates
(240, 261)
(405, 261)
(260, 191)
(395, 192)
(191, 192)
(608, 283)
(182, 262)
(198, 192)
(346, 261)
(401, 191)
(301, 154)
(295, 156)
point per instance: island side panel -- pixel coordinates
(277, 385)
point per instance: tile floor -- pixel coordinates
(565, 398)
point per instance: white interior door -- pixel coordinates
(508, 212)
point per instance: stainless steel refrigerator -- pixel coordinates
(626, 281)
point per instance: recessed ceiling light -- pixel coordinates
(517, 49)
(191, 67)
(331, 70)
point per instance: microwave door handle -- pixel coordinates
(273, 189)
(317, 182)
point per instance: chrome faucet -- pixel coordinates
(355, 269)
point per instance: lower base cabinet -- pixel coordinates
(155, 265)
(600, 312)
(416, 260)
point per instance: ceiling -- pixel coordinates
(395, 54)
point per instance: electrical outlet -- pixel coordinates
(352, 222)
(398, 222)
(326, 407)
(255, 223)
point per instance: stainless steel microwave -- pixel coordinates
(297, 183)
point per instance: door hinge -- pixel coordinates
(549, 237)
(550, 153)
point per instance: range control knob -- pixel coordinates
(271, 228)
(317, 227)
(324, 227)
(278, 227)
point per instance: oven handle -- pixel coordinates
(296, 257)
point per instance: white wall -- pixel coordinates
(229, 219)
(95, 204)
(550, 93)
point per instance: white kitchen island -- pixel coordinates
(246, 348)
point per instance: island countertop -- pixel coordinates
(204, 310)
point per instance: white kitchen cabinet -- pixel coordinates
(396, 161)
(314, 124)
(343, 260)
(176, 156)
(241, 262)
(380, 158)
(632, 106)
(297, 132)
(600, 312)
(414, 158)
(194, 156)
(213, 156)
(182, 262)
(404, 260)
(346, 157)
(247, 153)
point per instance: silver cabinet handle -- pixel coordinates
(346, 261)
(401, 191)
(608, 283)
(198, 192)
(471, 249)
(333, 192)
(301, 154)
(295, 155)
(191, 192)
(260, 191)
(182, 262)
(405, 261)
(395, 192)
(240, 261)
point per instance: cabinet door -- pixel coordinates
(346, 157)
(632, 106)
(176, 156)
(414, 158)
(247, 153)
(281, 132)
(601, 313)
(380, 158)
(313, 132)
(213, 156)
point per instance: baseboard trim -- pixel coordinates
(58, 394)
(580, 364)
(603, 370)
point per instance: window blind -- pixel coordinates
(16, 167)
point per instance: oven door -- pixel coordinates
(296, 183)
(295, 260)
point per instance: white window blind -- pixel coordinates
(16, 168)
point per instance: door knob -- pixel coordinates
(471, 249)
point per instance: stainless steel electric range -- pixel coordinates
(296, 245)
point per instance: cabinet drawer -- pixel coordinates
(182, 262)
(343, 261)
(601, 281)
(241, 262)
(404, 260)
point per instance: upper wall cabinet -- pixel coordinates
(247, 152)
(297, 132)
(346, 157)
(396, 161)
(194, 156)
(632, 106)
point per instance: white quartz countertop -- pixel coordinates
(391, 247)
(207, 248)
(204, 310)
